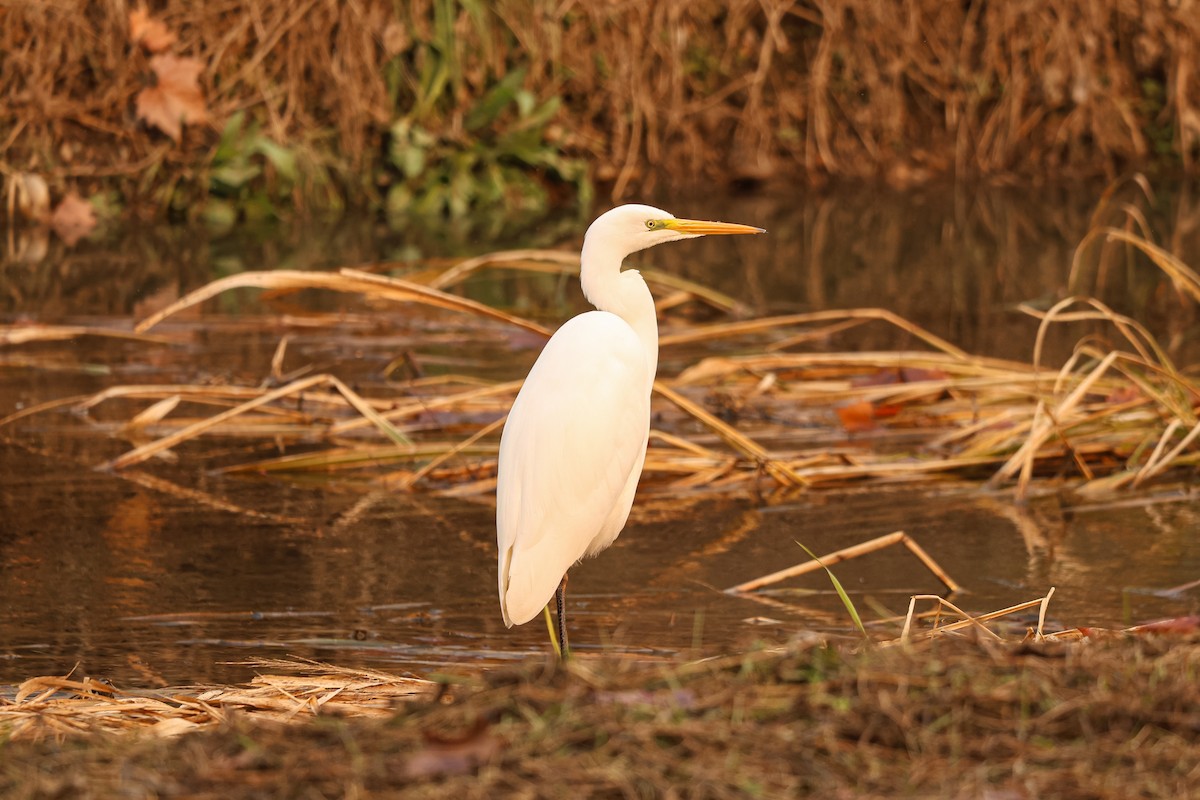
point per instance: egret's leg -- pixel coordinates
(561, 597)
(551, 632)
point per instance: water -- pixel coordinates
(168, 573)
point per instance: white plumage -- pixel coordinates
(575, 440)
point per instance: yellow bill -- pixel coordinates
(699, 227)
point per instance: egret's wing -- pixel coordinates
(574, 435)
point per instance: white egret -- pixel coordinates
(575, 440)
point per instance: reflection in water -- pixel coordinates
(140, 581)
(142, 586)
(957, 262)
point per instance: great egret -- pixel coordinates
(575, 440)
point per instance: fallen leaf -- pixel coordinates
(176, 99)
(73, 219)
(152, 34)
(885, 411)
(856, 417)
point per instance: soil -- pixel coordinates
(1101, 718)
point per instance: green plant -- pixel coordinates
(249, 173)
(504, 156)
(841, 592)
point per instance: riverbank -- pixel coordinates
(190, 110)
(1108, 717)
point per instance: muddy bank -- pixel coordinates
(1112, 718)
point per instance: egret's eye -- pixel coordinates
(655, 224)
(650, 224)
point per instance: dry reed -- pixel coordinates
(1105, 419)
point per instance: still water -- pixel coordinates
(169, 573)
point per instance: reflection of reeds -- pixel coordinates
(1111, 417)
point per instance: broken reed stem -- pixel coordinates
(929, 562)
(139, 454)
(347, 280)
(423, 404)
(1043, 427)
(966, 621)
(1153, 467)
(726, 329)
(847, 553)
(745, 445)
(23, 334)
(996, 411)
(409, 481)
(1038, 635)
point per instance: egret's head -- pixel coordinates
(634, 227)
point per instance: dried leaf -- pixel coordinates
(885, 411)
(856, 417)
(176, 99)
(74, 218)
(152, 34)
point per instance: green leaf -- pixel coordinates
(227, 144)
(281, 158)
(497, 98)
(837, 586)
(542, 115)
(408, 150)
(229, 178)
(219, 213)
(258, 207)
(399, 200)
(525, 102)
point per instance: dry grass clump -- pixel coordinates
(648, 91)
(956, 718)
(53, 707)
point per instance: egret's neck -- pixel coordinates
(621, 293)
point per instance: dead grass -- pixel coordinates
(1112, 718)
(54, 707)
(1112, 416)
(666, 91)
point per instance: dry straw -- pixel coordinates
(1107, 418)
(53, 707)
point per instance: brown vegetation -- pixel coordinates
(1112, 416)
(648, 91)
(951, 718)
